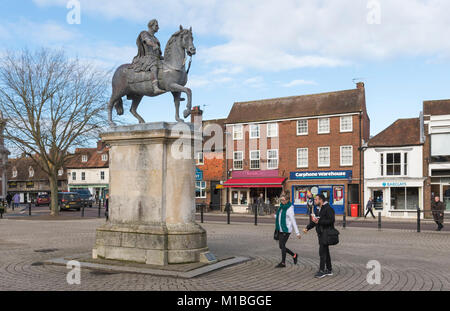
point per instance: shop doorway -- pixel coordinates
(377, 196)
(446, 191)
(215, 196)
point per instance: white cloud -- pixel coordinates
(272, 35)
(299, 82)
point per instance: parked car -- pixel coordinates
(43, 199)
(86, 197)
(69, 200)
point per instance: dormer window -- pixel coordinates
(60, 172)
(14, 172)
(84, 158)
(104, 157)
(30, 171)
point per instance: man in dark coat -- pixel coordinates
(369, 208)
(438, 209)
(323, 220)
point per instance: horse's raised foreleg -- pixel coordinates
(134, 105)
(179, 88)
(176, 100)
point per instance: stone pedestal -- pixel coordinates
(151, 196)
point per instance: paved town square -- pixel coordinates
(409, 260)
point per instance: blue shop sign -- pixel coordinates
(321, 175)
(198, 174)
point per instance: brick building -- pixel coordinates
(210, 162)
(436, 168)
(296, 144)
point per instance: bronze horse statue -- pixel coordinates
(172, 77)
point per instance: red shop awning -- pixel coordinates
(254, 183)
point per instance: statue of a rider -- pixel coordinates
(149, 54)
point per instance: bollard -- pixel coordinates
(418, 219)
(202, 207)
(82, 211)
(379, 220)
(29, 209)
(344, 221)
(99, 207)
(256, 215)
(228, 208)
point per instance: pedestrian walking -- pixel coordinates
(260, 204)
(9, 199)
(369, 208)
(285, 223)
(323, 221)
(438, 209)
(16, 200)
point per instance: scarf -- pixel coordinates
(282, 210)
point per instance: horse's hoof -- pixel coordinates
(186, 113)
(182, 99)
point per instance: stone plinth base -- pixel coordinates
(153, 245)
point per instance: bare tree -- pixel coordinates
(52, 103)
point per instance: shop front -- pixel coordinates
(246, 186)
(332, 184)
(396, 197)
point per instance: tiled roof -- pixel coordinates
(347, 101)
(403, 132)
(22, 165)
(94, 158)
(436, 107)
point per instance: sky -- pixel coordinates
(257, 49)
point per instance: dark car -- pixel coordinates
(43, 199)
(69, 200)
(86, 196)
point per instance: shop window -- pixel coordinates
(200, 189)
(239, 197)
(254, 130)
(346, 155)
(324, 156)
(324, 126)
(404, 198)
(238, 160)
(254, 160)
(237, 132)
(393, 164)
(302, 127)
(272, 130)
(272, 159)
(346, 124)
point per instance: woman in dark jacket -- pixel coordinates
(323, 221)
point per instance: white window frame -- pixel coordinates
(298, 158)
(235, 132)
(251, 126)
(60, 172)
(275, 128)
(351, 124)
(74, 175)
(307, 128)
(102, 175)
(104, 157)
(83, 176)
(241, 160)
(202, 186)
(252, 158)
(319, 164)
(269, 159)
(342, 157)
(199, 160)
(318, 126)
(14, 172)
(30, 172)
(84, 158)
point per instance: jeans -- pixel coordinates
(283, 238)
(325, 259)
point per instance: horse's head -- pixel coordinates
(187, 41)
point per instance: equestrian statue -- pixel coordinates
(152, 74)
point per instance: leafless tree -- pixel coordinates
(52, 103)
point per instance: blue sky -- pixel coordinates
(248, 50)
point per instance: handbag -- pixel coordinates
(276, 235)
(332, 236)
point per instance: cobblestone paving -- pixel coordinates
(409, 260)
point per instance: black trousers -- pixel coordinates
(369, 211)
(325, 259)
(440, 225)
(283, 238)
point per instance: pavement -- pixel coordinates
(408, 260)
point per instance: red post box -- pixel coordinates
(354, 209)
